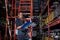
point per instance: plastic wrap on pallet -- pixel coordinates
(46, 38)
(57, 12)
(49, 18)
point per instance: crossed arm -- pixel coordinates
(19, 27)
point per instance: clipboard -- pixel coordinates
(26, 25)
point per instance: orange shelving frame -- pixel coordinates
(48, 26)
(6, 4)
(7, 17)
(48, 20)
(51, 24)
(31, 11)
(14, 11)
(31, 14)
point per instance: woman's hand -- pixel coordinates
(19, 27)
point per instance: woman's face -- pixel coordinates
(20, 15)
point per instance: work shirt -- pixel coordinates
(21, 34)
(19, 22)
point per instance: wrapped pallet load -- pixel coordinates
(57, 9)
(50, 17)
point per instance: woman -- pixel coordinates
(19, 23)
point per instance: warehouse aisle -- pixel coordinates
(45, 15)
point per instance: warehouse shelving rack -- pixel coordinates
(19, 10)
(27, 8)
(53, 22)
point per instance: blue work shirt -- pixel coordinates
(19, 23)
(21, 34)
